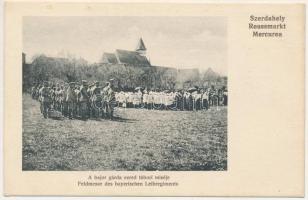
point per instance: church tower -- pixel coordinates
(141, 49)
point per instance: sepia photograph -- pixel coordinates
(154, 99)
(124, 93)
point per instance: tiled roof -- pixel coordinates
(131, 58)
(110, 58)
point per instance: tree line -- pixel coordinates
(60, 70)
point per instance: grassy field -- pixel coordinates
(138, 140)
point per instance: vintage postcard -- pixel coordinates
(164, 99)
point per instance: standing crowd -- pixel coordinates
(191, 99)
(85, 101)
(73, 100)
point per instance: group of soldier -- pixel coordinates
(85, 100)
(191, 99)
(73, 100)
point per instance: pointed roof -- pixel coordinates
(141, 45)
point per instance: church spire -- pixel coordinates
(141, 49)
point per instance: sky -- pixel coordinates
(179, 42)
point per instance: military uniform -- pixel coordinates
(211, 96)
(33, 91)
(60, 99)
(97, 100)
(45, 100)
(71, 99)
(205, 100)
(110, 101)
(64, 102)
(84, 100)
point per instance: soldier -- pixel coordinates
(109, 99)
(136, 99)
(57, 99)
(145, 98)
(120, 98)
(211, 96)
(38, 97)
(205, 99)
(139, 98)
(53, 96)
(45, 99)
(64, 102)
(179, 100)
(188, 100)
(96, 89)
(84, 100)
(77, 106)
(71, 100)
(97, 100)
(37, 92)
(220, 97)
(130, 98)
(225, 96)
(60, 94)
(150, 100)
(33, 91)
(90, 106)
(197, 97)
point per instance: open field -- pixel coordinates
(137, 140)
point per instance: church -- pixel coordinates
(128, 58)
(137, 58)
